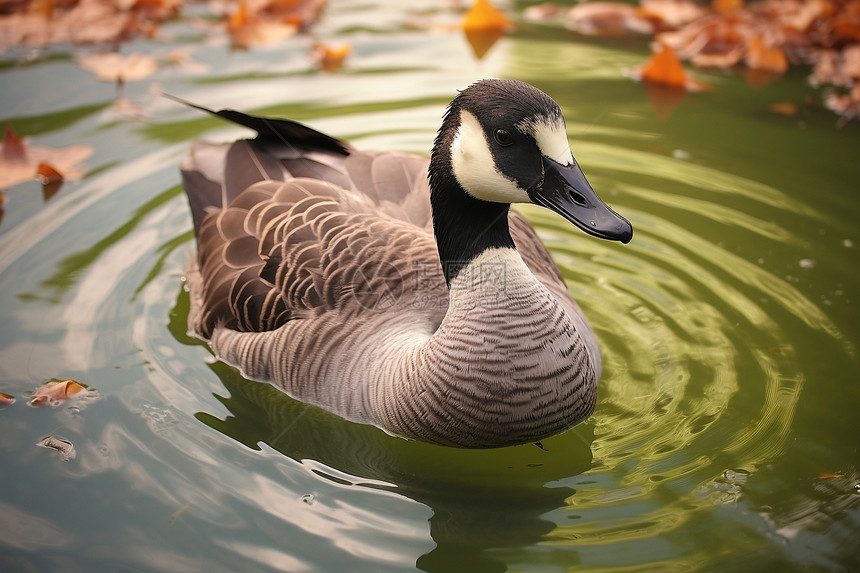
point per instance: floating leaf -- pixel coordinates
(63, 447)
(484, 16)
(608, 19)
(115, 67)
(765, 58)
(671, 13)
(20, 162)
(6, 399)
(783, 108)
(665, 69)
(55, 392)
(330, 58)
(727, 5)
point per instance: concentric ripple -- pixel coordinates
(700, 380)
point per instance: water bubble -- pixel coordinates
(806, 263)
(308, 498)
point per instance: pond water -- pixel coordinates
(726, 432)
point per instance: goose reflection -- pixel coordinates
(483, 502)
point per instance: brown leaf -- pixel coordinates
(726, 5)
(64, 448)
(115, 67)
(6, 399)
(13, 149)
(55, 392)
(766, 58)
(783, 108)
(20, 162)
(542, 12)
(330, 58)
(673, 13)
(608, 19)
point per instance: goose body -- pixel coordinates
(422, 305)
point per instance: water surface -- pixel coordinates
(725, 435)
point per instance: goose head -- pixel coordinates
(503, 142)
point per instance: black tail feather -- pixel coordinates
(282, 130)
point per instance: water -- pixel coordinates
(725, 435)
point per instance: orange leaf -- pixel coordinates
(239, 18)
(48, 174)
(783, 108)
(665, 68)
(55, 392)
(828, 475)
(761, 57)
(330, 58)
(484, 16)
(6, 399)
(726, 5)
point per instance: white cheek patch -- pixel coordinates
(475, 168)
(551, 138)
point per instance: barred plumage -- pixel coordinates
(317, 270)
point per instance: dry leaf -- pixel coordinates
(542, 12)
(114, 67)
(20, 162)
(665, 69)
(765, 58)
(63, 447)
(55, 392)
(256, 23)
(6, 399)
(608, 19)
(673, 13)
(727, 5)
(330, 58)
(783, 108)
(484, 16)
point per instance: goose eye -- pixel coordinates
(503, 137)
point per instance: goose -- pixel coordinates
(398, 291)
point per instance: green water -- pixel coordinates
(726, 432)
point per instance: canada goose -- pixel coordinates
(317, 270)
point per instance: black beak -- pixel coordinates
(566, 191)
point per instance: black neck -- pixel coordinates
(464, 226)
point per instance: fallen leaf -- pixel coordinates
(115, 67)
(828, 475)
(484, 16)
(608, 19)
(727, 5)
(14, 149)
(542, 12)
(665, 69)
(63, 447)
(330, 58)
(48, 174)
(783, 108)
(20, 162)
(765, 58)
(6, 399)
(673, 13)
(256, 23)
(55, 392)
